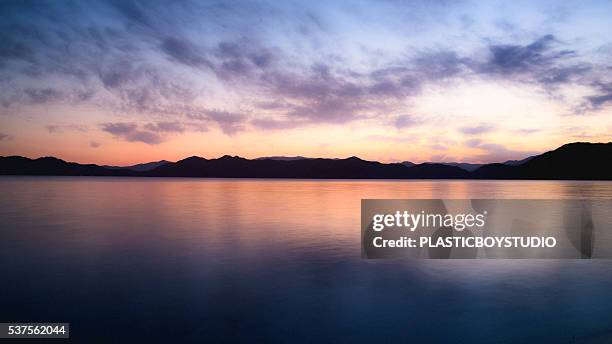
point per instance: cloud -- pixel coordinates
(528, 131)
(151, 133)
(3, 136)
(599, 99)
(505, 59)
(12, 49)
(94, 144)
(404, 121)
(197, 127)
(440, 64)
(596, 102)
(241, 58)
(478, 129)
(275, 124)
(326, 94)
(183, 52)
(40, 96)
(496, 152)
(158, 61)
(542, 62)
(145, 89)
(134, 11)
(53, 129)
(131, 133)
(229, 122)
(165, 127)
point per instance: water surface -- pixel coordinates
(221, 260)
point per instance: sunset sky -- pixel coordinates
(122, 82)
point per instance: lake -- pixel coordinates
(221, 260)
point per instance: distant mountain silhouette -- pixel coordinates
(518, 162)
(462, 165)
(576, 161)
(469, 166)
(147, 166)
(285, 158)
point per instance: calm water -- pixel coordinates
(193, 260)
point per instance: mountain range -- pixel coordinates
(573, 161)
(147, 166)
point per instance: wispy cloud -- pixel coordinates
(477, 129)
(492, 152)
(183, 51)
(131, 133)
(405, 121)
(165, 127)
(61, 128)
(158, 69)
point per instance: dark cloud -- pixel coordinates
(134, 11)
(598, 101)
(183, 51)
(507, 59)
(119, 73)
(552, 76)
(3, 136)
(242, 59)
(39, 96)
(603, 98)
(478, 129)
(94, 144)
(14, 49)
(543, 62)
(131, 133)
(385, 87)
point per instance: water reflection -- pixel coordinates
(275, 261)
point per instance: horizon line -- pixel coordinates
(298, 157)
